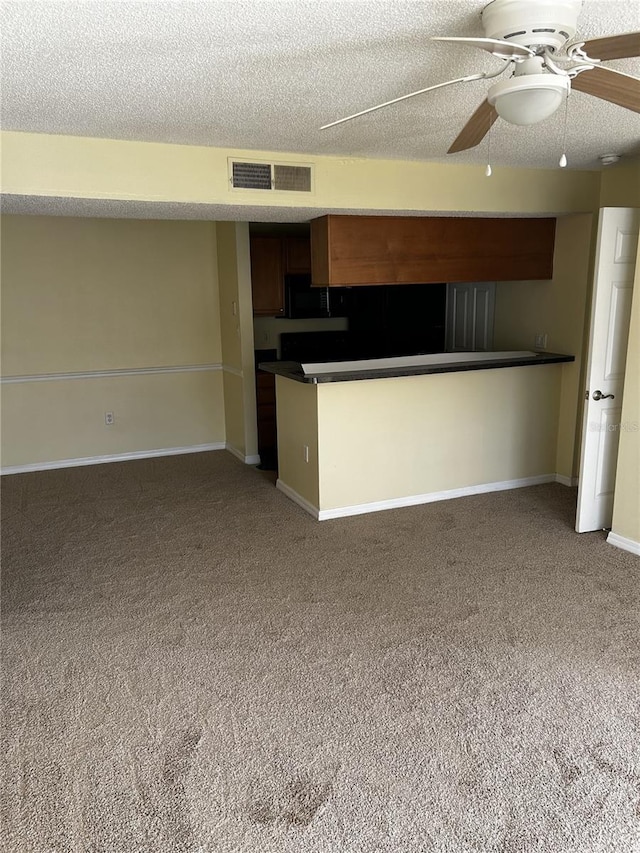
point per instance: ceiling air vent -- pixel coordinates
(251, 176)
(292, 178)
(282, 177)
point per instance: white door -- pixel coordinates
(470, 310)
(610, 314)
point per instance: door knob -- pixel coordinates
(598, 395)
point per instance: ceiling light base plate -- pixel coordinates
(537, 24)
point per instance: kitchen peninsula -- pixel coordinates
(372, 435)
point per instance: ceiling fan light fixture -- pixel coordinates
(528, 99)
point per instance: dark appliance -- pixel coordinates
(301, 300)
(397, 320)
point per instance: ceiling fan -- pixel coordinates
(535, 40)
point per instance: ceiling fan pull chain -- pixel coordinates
(563, 156)
(488, 172)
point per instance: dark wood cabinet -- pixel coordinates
(267, 276)
(266, 408)
(360, 250)
(297, 255)
(273, 257)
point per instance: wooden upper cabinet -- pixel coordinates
(297, 255)
(267, 276)
(352, 250)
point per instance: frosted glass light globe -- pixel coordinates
(529, 98)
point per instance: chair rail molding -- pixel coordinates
(108, 374)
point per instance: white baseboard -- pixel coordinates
(431, 497)
(566, 481)
(622, 542)
(248, 460)
(298, 499)
(411, 500)
(114, 457)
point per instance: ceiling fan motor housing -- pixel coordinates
(532, 23)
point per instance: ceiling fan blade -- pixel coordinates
(610, 85)
(466, 79)
(613, 47)
(475, 129)
(498, 47)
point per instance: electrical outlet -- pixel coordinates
(108, 418)
(305, 451)
(541, 340)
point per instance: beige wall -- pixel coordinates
(297, 408)
(233, 387)
(61, 420)
(77, 167)
(559, 309)
(620, 185)
(227, 261)
(236, 324)
(626, 505)
(81, 296)
(103, 294)
(386, 439)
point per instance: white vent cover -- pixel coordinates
(282, 177)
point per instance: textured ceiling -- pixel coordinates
(266, 75)
(119, 209)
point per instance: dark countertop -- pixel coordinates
(293, 369)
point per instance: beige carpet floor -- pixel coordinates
(194, 665)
